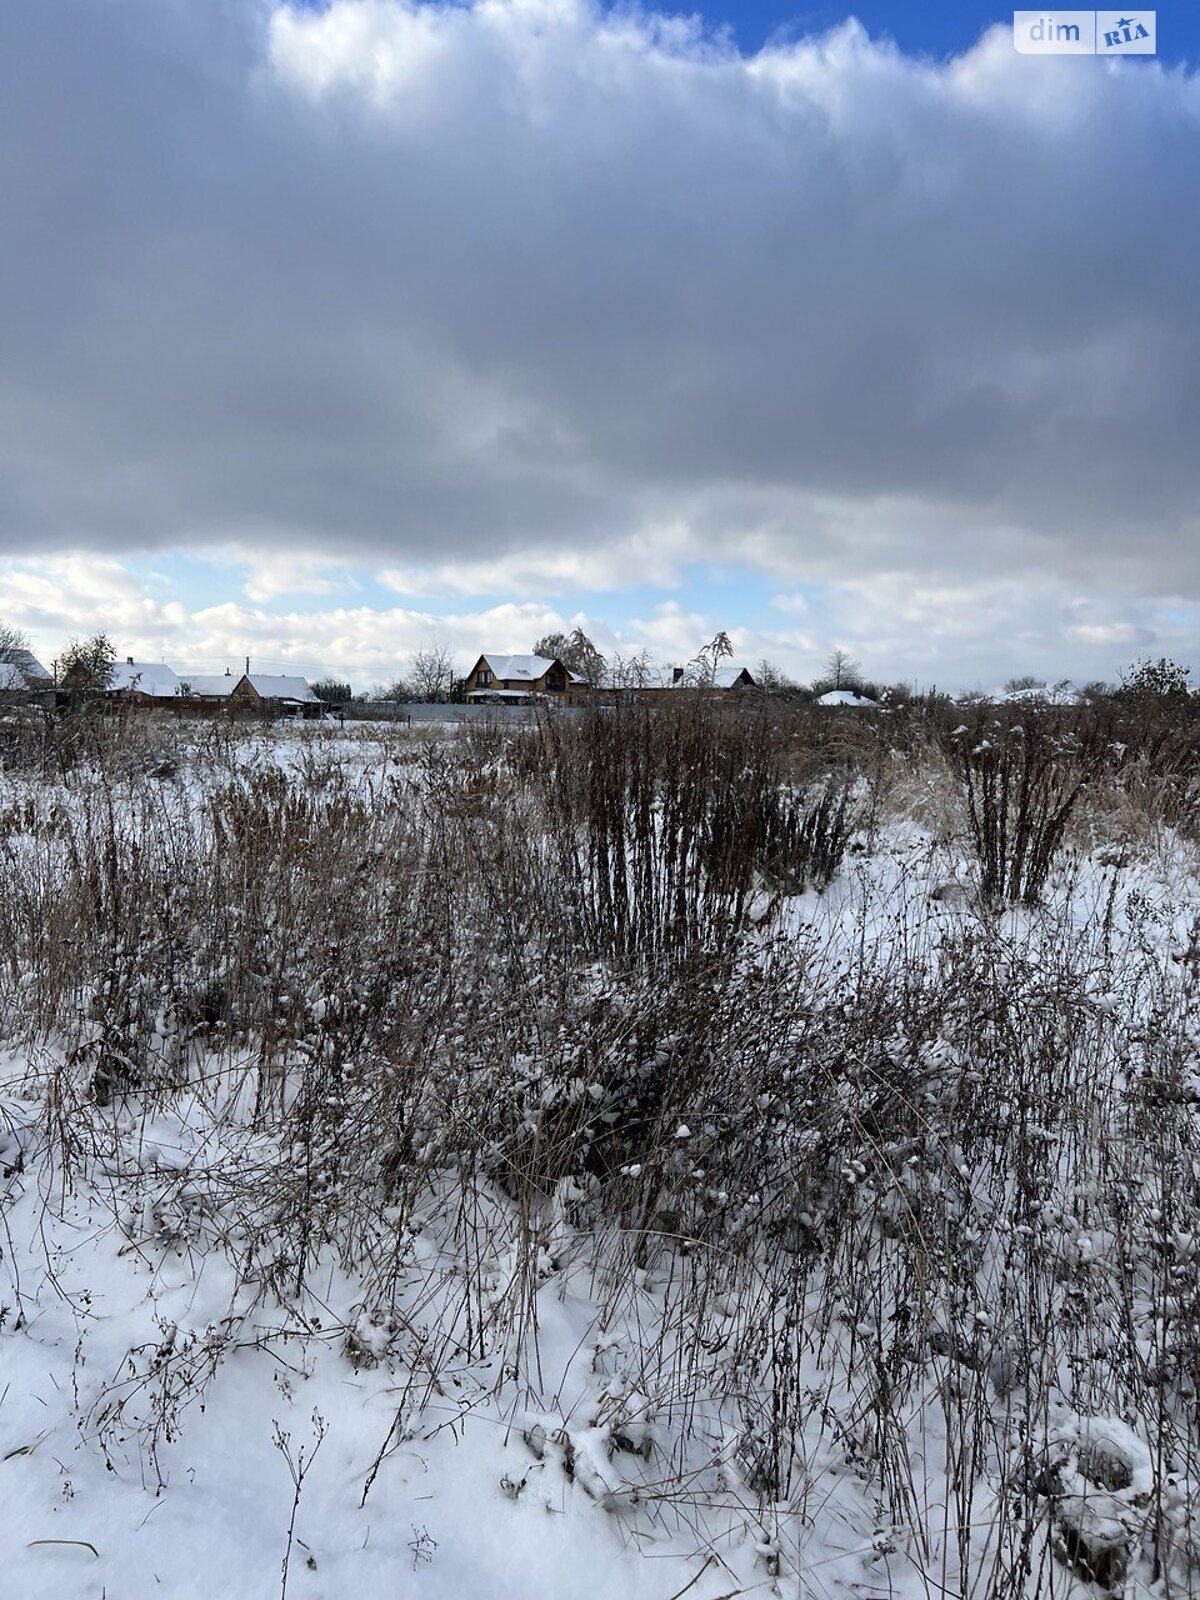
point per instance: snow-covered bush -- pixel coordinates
(479, 1075)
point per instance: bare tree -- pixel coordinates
(576, 651)
(630, 672)
(14, 652)
(771, 679)
(584, 658)
(1024, 683)
(551, 646)
(842, 670)
(431, 674)
(13, 641)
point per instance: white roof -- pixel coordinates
(525, 668)
(726, 677)
(208, 688)
(147, 677)
(1055, 694)
(265, 684)
(654, 677)
(32, 672)
(281, 688)
(11, 677)
(847, 697)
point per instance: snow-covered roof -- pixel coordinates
(217, 687)
(727, 677)
(11, 677)
(281, 688)
(33, 673)
(1055, 694)
(267, 685)
(152, 678)
(847, 697)
(653, 677)
(526, 669)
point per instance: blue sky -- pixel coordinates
(937, 28)
(327, 331)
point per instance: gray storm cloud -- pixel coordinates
(416, 284)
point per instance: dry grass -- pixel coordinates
(919, 1206)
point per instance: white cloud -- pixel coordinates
(60, 597)
(671, 634)
(270, 574)
(522, 298)
(379, 49)
(1109, 633)
(955, 635)
(654, 557)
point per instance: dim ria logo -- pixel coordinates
(1084, 33)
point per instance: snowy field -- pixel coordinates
(640, 1158)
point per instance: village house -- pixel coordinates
(144, 682)
(22, 675)
(522, 679)
(725, 677)
(205, 686)
(661, 680)
(272, 694)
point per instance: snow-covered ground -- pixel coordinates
(943, 1338)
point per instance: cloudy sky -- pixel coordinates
(331, 330)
